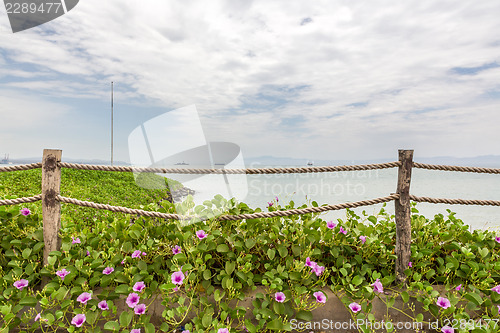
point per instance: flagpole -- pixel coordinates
(111, 122)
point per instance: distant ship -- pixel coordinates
(220, 163)
(183, 163)
(310, 163)
(5, 160)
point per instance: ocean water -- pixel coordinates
(350, 186)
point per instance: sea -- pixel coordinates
(350, 186)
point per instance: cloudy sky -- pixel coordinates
(315, 80)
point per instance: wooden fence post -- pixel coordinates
(403, 215)
(51, 208)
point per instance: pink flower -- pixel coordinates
(88, 254)
(176, 249)
(377, 286)
(279, 297)
(410, 264)
(201, 234)
(136, 254)
(123, 261)
(38, 316)
(185, 331)
(103, 305)
(363, 239)
(78, 320)
(140, 309)
(178, 277)
(497, 289)
(139, 286)
(135, 330)
(25, 212)
(448, 329)
(320, 297)
(443, 302)
(309, 263)
(108, 270)
(176, 289)
(144, 254)
(331, 225)
(20, 284)
(355, 307)
(277, 199)
(223, 330)
(318, 269)
(269, 204)
(342, 231)
(84, 298)
(76, 241)
(497, 238)
(132, 300)
(458, 287)
(498, 306)
(62, 273)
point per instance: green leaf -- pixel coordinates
(230, 265)
(142, 265)
(125, 318)
(250, 327)
(112, 326)
(283, 251)
(420, 317)
(343, 271)
(304, 315)
(357, 280)
(474, 298)
(28, 300)
(275, 325)
(223, 248)
(206, 320)
(122, 289)
(249, 243)
(405, 296)
(26, 253)
(149, 328)
(271, 253)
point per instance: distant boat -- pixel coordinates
(5, 160)
(310, 163)
(183, 163)
(220, 163)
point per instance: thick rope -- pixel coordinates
(455, 168)
(229, 217)
(455, 201)
(20, 167)
(233, 171)
(18, 201)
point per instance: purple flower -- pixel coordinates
(269, 204)
(176, 249)
(132, 300)
(135, 330)
(279, 297)
(108, 270)
(136, 254)
(123, 262)
(76, 241)
(178, 277)
(103, 305)
(342, 231)
(355, 307)
(317, 269)
(277, 199)
(377, 286)
(498, 306)
(144, 254)
(62, 273)
(185, 331)
(443, 302)
(140, 309)
(448, 329)
(25, 212)
(497, 238)
(84, 298)
(223, 330)
(320, 297)
(78, 320)
(363, 239)
(309, 263)
(88, 254)
(38, 316)
(497, 289)
(139, 286)
(331, 225)
(458, 287)
(20, 284)
(410, 264)
(201, 234)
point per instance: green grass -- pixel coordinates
(106, 187)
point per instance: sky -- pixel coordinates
(301, 79)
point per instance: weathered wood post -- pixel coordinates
(403, 214)
(51, 208)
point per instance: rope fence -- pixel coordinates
(51, 199)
